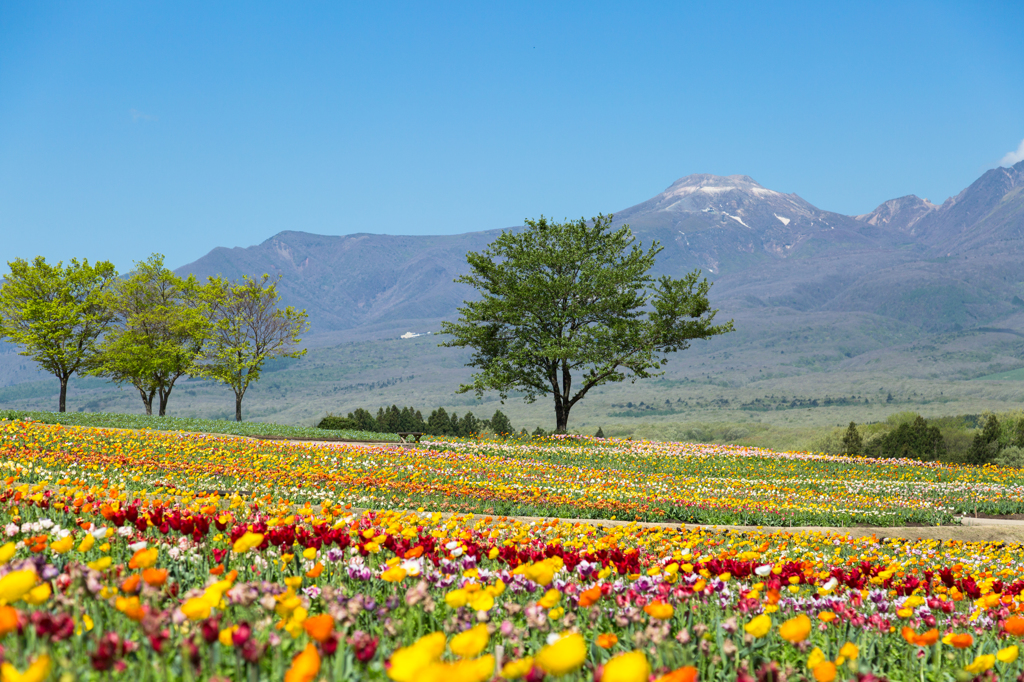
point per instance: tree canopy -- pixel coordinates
(565, 307)
(248, 329)
(160, 326)
(55, 312)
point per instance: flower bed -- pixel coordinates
(118, 558)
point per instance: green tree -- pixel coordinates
(160, 326)
(248, 329)
(438, 423)
(600, 433)
(55, 313)
(500, 425)
(562, 303)
(852, 442)
(985, 447)
(915, 440)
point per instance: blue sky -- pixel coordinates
(175, 127)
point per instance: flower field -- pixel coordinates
(174, 556)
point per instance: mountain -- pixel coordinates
(896, 309)
(901, 214)
(934, 267)
(365, 281)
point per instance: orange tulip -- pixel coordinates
(131, 584)
(217, 570)
(659, 610)
(607, 640)
(1014, 625)
(315, 571)
(589, 597)
(796, 630)
(415, 552)
(8, 619)
(685, 674)
(305, 666)
(319, 627)
(155, 577)
(962, 640)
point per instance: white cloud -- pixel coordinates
(1013, 157)
(139, 116)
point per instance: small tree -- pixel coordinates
(160, 326)
(248, 329)
(55, 313)
(852, 442)
(438, 423)
(600, 433)
(568, 302)
(985, 447)
(500, 424)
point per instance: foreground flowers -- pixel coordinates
(101, 574)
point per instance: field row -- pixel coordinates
(181, 557)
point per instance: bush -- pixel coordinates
(915, 440)
(336, 423)
(829, 444)
(1012, 456)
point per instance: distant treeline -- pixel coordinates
(968, 439)
(408, 419)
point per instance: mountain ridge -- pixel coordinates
(763, 248)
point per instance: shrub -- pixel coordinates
(1012, 456)
(915, 440)
(336, 423)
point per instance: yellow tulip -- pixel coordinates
(1008, 655)
(63, 545)
(471, 642)
(408, 662)
(87, 543)
(850, 651)
(628, 667)
(395, 574)
(196, 608)
(482, 601)
(456, 598)
(16, 585)
(38, 594)
(513, 670)
(981, 664)
(247, 542)
(7, 551)
(101, 564)
(564, 656)
(38, 671)
(759, 626)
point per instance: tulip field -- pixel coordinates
(151, 555)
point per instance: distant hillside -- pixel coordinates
(934, 267)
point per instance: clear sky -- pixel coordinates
(175, 127)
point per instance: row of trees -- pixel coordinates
(147, 329)
(996, 442)
(409, 419)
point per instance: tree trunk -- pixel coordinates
(238, 407)
(62, 406)
(164, 396)
(561, 418)
(147, 400)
